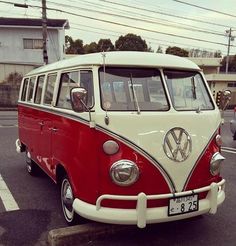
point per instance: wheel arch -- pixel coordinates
(60, 173)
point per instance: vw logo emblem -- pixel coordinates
(177, 144)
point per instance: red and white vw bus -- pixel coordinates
(131, 137)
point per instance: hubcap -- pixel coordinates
(67, 200)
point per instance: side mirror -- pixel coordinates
(225, 99)
(78, 99)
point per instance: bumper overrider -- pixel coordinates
(143, 215)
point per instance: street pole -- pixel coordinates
(228, 50)
(44, 26)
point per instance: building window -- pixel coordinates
(232, 84)
(32, 43)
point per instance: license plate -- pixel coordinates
(183, 204)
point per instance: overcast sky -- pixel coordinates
(159, 22)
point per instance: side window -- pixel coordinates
(50, 84)
(31, 89)
(39, 89)
(86, 81)
(24, 90)
(69, 80)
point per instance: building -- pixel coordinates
(217, 80)
(21, 44)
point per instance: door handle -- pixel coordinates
(53, 129)
(41, 125)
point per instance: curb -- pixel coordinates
(83, 234)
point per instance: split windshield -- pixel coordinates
(141, 89)
(187, 90)
(132, 89)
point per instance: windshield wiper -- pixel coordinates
(194, 88)
(136, 105)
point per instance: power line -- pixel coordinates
(187, 27)
(146, 37)
(161, 13)
(137, 19)
(139, 28)
(208, 9)
(126, 25)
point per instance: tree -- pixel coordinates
(91, 48)
(131, 42)
(177, 51)
(74, 46)
(105, 45)
(159, 49)
(218, 54)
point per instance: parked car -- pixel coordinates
(233, 125)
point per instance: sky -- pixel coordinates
(189, 24)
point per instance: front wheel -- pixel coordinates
(67, 198)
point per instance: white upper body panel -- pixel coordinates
(120, 58)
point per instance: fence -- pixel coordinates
(9, 95)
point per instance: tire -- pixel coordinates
(234, 137)
(31, 166)
(67, 198)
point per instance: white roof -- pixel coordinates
(121, 58)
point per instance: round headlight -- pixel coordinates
(215, 164)
(110, 147)
(124, 172)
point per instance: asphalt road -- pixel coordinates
(34, 207)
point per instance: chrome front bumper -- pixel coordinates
(143, 215)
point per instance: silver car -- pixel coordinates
(233, 125)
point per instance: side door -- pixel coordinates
(45, 122)
(69, 143)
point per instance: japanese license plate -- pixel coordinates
(183, 204)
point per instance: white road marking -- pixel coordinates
(6, 197)
(229, 151)
(229, 148)
(8, 126)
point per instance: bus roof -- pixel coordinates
(120, 58)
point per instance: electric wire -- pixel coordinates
(204, 8)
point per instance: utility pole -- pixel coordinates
(230, 38)
(44, 26)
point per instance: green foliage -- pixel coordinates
(159, 49)
(105, 45)
(177, 51)
(91, 48)
(131, 42)
(74, 46)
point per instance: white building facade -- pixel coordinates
(21, 44)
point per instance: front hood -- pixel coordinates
(148, 130)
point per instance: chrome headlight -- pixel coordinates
(215, 164)
(124, 172)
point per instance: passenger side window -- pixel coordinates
(73, 79)
(39, 89)
(31, 89)
(50, 84)
(24, 89)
